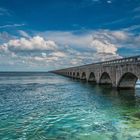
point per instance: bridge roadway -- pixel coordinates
(120, 73)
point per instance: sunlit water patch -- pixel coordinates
(47, 106)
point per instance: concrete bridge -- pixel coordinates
(120, 73)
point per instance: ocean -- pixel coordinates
(45, 106)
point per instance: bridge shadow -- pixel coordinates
(126, 100)
(128, 97)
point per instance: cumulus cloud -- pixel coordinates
(24, 44)
(103, 46)
(93, 42)
(99, 45)
(69, 38)
(56, 49)
(119, 35)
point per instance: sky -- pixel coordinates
(44, 35)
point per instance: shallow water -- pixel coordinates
(46, 106)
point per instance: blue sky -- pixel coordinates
(41, 35)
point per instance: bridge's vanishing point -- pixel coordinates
(120, 73)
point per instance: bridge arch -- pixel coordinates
(91, 77)
(78, 75)
(73, 74)
(83, 76)
(128, 80)
(105, 79)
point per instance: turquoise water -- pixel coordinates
(51, 107)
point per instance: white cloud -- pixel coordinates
(24, 34)
(102, 42)
(132, 28)
(11, 25)
(84, 40)
(68, 38)
(34, 43)
(58, 54)
(56, 49)
(104, 46)
(120, 35)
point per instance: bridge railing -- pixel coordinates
(123, 60)
(134, 59)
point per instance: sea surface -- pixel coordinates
(44, 106)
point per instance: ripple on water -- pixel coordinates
(56, 108)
